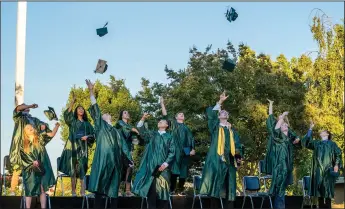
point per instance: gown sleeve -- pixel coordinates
(17, 115)
(337, 156)
(95, 113)
(212, 119)
(191, 138)
(308, 141)
(171, 154)
(271, 124)
(125, 148)
(145, 134)
(238, 145)
(68, 117)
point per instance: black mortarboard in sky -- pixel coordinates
(101, 66)
(231, 14)
(102, 31)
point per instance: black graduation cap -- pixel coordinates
(231, 14)
(101, 66)
(102, 31)
(229, 65)
(50, 113)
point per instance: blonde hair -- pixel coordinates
(26, 138)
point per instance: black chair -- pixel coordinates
(305, 189)
(196, 191)
(263, 177)
(252, 184)
(59, 175)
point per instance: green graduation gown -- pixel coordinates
(32, 182)
(279, 158)
(105, 174)
(126, 132)
(215, 170)
(326, 154)
(183, 138)
(159, 149)
(75, 150)
(20, 121)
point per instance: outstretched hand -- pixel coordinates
(222, 97)
(73, 97)
(161, 99)
(145, 116)
(90, 85)
(311, 125)
(270, 101)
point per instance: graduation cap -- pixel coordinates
(101, 66)
(229, 65)
(231, 14)
(50, 113)
(102, 31)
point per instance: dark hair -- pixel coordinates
(121, 113)
(76, 113)
(168, 122)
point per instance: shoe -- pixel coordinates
(119, 194)
(129, 194)
(74, 194)
(12, 194)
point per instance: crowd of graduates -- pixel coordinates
(166, 158)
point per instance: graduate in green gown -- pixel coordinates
(38, 174)
(105, 174)
(282, 141)
(185, 147)
(73, 161)
(153, 176)
(325, 166)
(129, 133)
(223, 157)
(21, 118)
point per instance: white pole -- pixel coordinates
(20, 52)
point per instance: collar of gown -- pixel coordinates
(161, 132)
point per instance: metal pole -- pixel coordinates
(20, 53)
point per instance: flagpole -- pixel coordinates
(20, 52)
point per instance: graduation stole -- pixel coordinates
(221, 143)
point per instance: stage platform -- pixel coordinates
(7, 202)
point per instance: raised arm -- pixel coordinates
(212, 113)
(270, 107)
(307, 140)
(144, 132)
(24, 106)
(94, 110)
(164, 111)
(47, 137)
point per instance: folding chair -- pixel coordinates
(263, 177)
(305, 190)
(23, 200)
(196, 191)
(7, 170)
(59, 175)
(252, 184)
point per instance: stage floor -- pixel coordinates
(7, 202)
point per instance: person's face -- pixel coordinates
(324, 135)
(223, 115)
(80, 111)
(125, 115)
(180, 116)
(284, 127)
(29, 130)
(106, 117)
(163, 124)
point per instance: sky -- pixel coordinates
(62, 48)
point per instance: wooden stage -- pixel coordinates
(7, 202)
